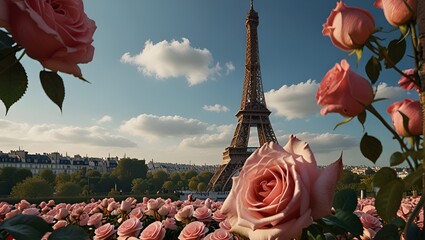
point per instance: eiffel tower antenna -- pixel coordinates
(253, 112)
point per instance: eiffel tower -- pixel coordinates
(252, 113)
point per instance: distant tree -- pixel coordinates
(106, 183)
(62, 178)
(202, 187)
(31, 188)
(79, 176)
(175, 177)
(93, 174)
(139, 186)
(190, 174)
(169, 186)
(129, 169)
(48, 175)
(158, 178)
(204, 176)
(10, 176)
(68, 189)
(193, 184)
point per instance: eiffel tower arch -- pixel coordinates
(253, 112)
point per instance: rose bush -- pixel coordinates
(343, 91)
(57, 33)
(348, 28)
(279, 191)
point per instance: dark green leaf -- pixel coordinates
(412, 178)
(344, 222)
(343, 122)
(388, 200)
(53, 87)
(24, 227)
(388, 232)
(396, 50)
(414, 232)
(397, 158)
(362, 118)
(373, 69)
(384, 176)
(5, 40)
(13, 82)
(313, 232)
(405, 122)
(399, 222)
(370, 147)
(69, 232)
(345, 200)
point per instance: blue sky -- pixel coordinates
(166, 83)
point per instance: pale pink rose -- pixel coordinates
(31, 211)
(203, 214)
(42, 204)
(218, 216)
(95, 220)
(370, 222)
(225, 225)
(407, 82)
(57, 33)
(154, 231)
(279, 191)
(343, 91)
(125, 206)
(4, 208)
(51, 203)
(46, 236)
(59, 224)
(136, 213)
(130, 228)
(48, 218)
(84, 219)
(193, 231)
(413, 110)
(169, 223)
(104, 232)
(396, 12)
(208, 202)
(12, 213)
(219, 234)
(185, 213)
(112, 206)
(23, 204)
(164, 210)
(62, 213)
(104, 203)
(368, 234)
(155, 204)
(349, 28)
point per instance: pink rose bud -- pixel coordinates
(104, 203)
(290, 191)
(343, 91)
(164, 210)
(51, 203)
(58, 34)
(104, 232)
(193, 230)
(12, 213)
(112, 206)
(84, 219)
(396, 12)
(154, 231)
(62, 214)
(185, 213)
(31, 211)
(59, 224)
(412, 109)
(125, 206)
(23, 204)
(408, 83)
(349, 28)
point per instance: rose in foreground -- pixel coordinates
(349, 28)
(57, 33)
(344, 91)
(411, 109)
(280, 191)
(397, 12)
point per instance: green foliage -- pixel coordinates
(202, 187)
(13, 80)
(345, 200)
(53, 87)
(388, 232)
(139, 186)
(373, 69)
(388, 200)
(10, 176)
(70, 232)
(169, 185)
(384, 176)
(193, 184)
(31, 188)
(413, 178)
(396, 50)
(24, 227)
(129, 169)
(48, 175)
(68, 189)
(370, 147)
(397, 158)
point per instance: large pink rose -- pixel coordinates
(396, 12)
(343, 91)
(155, 231)
(412, 109)
(349, 28)
(130, 228)
(193, 231)
(104, 232)
(57, 33)
(279, 191)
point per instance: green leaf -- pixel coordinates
(362, 118)
(397, 158)
(344, 221)
(373, 69)
(388, 200)
(69, 232)
(313, 232)
(398, 222)
(345, 200)
(413, 178)
(384, 176)
(343, 122)
(53, 87)
(414, 232)
(388, 232)
(5, 40)
(13, 82)
(396, 51)
(370, 147)
(405, 122)
(24, 227)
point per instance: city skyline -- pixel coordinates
(166, 84)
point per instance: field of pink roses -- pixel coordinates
(156, 219)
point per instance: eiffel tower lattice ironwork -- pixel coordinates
(253, 112)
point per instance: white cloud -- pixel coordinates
(229, 67)
(104, 119)
(174, 59)
(294, 101)
(385, 91)
(324, 142)
(153, 127)
(216, 108)
(219, 138)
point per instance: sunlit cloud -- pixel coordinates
(104, 119)
(229, 67)
(390, 92)
(216, 108)
(219, 137)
